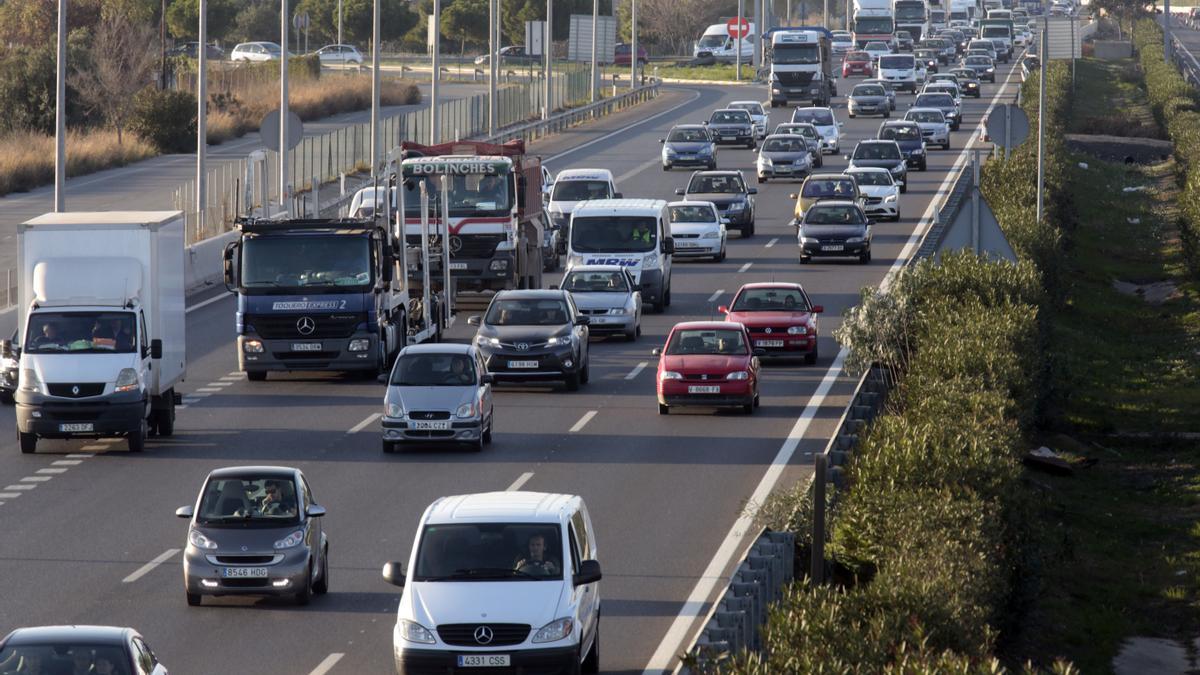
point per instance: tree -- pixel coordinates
(466, 21)
(122, 61)
(673, 24)
(357, 15)
(183, 19)
(33, 23)
(258, 20)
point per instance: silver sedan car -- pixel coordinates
(608, 296)
(783, 157)
(934, 127)
(438, 393)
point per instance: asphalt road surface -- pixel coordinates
(89, 531)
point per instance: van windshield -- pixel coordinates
(896, 62)
(613, 234)
(54, 332)
(490, 552)
(712, 41)
(580, 190)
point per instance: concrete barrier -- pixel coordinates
(1112, 50)
(203, 262)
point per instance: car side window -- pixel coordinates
(579, 529)
(574, 549)
(142, 657)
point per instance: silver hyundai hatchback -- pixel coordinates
(438, 393)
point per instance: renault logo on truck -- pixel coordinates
(306, 325)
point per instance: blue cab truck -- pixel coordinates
(314, 295)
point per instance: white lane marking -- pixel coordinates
(9, 495)
(93, 447)
(52, 471)
(365, 423)
(80, 455)
(745, 267)
(637, 369)
(624, 131)
(190, 400)
(149, 567)
(772, 242)
(220, 384)
(3, 503)
(36, 479)
(328, 664)
(27, 486)
(232, 378)
(677, 635)
(587, 417)
(635, 171)
(181, 406)
(67, 462)
(714, 296)
(521, 480)
(200, 394)
(208, 390)
(206, 303)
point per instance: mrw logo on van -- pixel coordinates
(611, 261)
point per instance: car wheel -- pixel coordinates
(762, 179)
(925, 166)
(666, 167)
(896, 218)
(194, 599)
(631, 335)
(804, 260)
(663, 409)
(586, 373)
(487, 433)
(820, 160)
(477, 444)
(591, 662)
(256, 375)
(887, 114)
(28, 443)
(720, 257)
(946, 145)
(851, 115)
(748, 230)
(756, 401)
(865, 257)
(573, 382)
(137, 438)
(321, 586)
(304, 595)
(712, 166)
(811, 357)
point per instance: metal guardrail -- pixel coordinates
(574, 116)
(1186, 63)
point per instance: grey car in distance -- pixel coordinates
(438, 393)
(255, 530)
(811, 135)
(869, 99)
(783, 157)
(78, 649)
(688, 145)
(608, 296)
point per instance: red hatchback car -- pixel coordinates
(780, 318)
(708, 363)
(857, 63)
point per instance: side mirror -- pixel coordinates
(184, 512)
(723, 309)
(156, 349)
(668, 246)
(680, 191)
(227, 266)
(618, 195)
(657, 351)
(791, 195)
(752, 191)
(393, 573)
(487, 378)
(705, 122)
(589, 572)
(662, 140)
(314, 511)
(6, 349)
(582, 321)
(817, 309)
(846, 157)
(474, 320)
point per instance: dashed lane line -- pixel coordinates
(36, 479)
(54, 471)
(149, 567)
(365, 423)
(744, 268)
(714, 296)
(27, 486)
(587, 417)
(67, 462)
(328, 664)
(772, 242)
(520, 481)
(637, 370)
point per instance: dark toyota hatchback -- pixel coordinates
(78, 649)
(534, 335)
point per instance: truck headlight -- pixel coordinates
(359, 345)
(650, 261)
(252, 346)
(498, 265)
(30, 381)
(127, 380)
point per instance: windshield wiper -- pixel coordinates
(488, 573)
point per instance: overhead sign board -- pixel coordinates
(579, 43)
(1064, 38)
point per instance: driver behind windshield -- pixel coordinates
(537, 562)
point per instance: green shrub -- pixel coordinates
(166, 119)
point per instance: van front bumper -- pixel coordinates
(49, 417)
(547, 661)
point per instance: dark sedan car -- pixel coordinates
(534, 336)
(835, 229)
(968, 82)
(688, 144)
(928, 57)
(907, 135)
(78, 649)
(904, 41)
(730, 126)
(983, 66)
(728, 191)
(255, 530)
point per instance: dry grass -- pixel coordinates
(27, 159)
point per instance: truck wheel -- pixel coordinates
(137, 437)
(256, 375)
(28, 443)
(6, 398)
(164, 420)
(667, 297)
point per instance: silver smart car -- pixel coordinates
(255, 530)
(438, 393)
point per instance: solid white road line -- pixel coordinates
(220, 384)
(328, 664)
(521, 480)
(149, 567)
(587, 417)
(772, 242)
(714, 296)
(744, 268)
(67, 462)
(206, 303)
(36, 479)
(208, 390)
(365, 423)
(52, 471)
(676, 639)
(621, 132)
(80, 455)
(637, 369)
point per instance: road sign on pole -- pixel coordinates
(1064, 38)
(268, 130)
(738, 27)
(1007, 125)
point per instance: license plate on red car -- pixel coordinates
(704, 389)
(768, 343)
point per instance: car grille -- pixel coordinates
(794, 79)
(596, 312)
(832, 240)
(287, 327)
(503, 634)
(245, 559)
(468, 246)
(874, 200)
(429, 414)
(428, 433)
(529, 346)
(704, 377)
(685, 236)
(85, 389)
(769, 330)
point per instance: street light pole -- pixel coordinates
(595, 67)
(493, 66)
(202, 112)
(60, 114)
(340, 22)
(375, 59)
(283, 105)
(548, 48)
(737, 45)
(1043, 56)
(633, 48)
(434, 117)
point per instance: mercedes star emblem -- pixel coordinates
(455, 244)
(522, 346)
(306, 325)
(245, 548)
(484, 635)
(75, 390)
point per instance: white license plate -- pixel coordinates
(244, 572)
(682, 243)
(484, 661)
(69, 428)
(598, 319)
(728, 138)
(430, 426)
(458, 265)
(704, 389)
(833, 247)
(306, 346)
(522, 364)
(768, 343)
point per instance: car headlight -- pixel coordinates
(483, 341)
(669, 151)
(890, 198)
(715, 234)
(737, 206)
(555, 630)
(809, 240)
(291, 541)
(30, 381)
(706, 150)
(855, 240)
(797, 330)
(670, 375)
(738, 375)
(765, 161)
(195, 538)
(252, 346)
(775, 90)
(991, 70)
(465, 410)
(415, 632)
(391, 409)
(620, 311)
(127, 380)
(559, 340)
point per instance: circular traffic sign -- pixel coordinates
(738, 27)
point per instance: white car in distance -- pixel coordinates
(698, 230)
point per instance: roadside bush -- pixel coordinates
(27, 157)
(165, 119)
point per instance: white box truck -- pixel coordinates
(101, 326)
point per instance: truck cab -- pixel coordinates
(873, 21)
(800, 68)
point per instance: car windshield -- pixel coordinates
(934, 101)
(784, 145)
(688, 136)
(63, 657)
(580, 190)
(872, 177)
(876, 151)
(490, 552)
(608, 281)
(823, 118)
(978, 61)
(704, 341)
(834, 215)
(262, 500)
(770, 300)
(899, 133)
(471, 194)
(792, 54)
(876, 46)
(797, 130)
(841, 188)
(964, 74)
(730, 117)
(858, 56)
(724, 184)
(926, 116)
(896, 62)
(841, 35)
(53, 332)
(433, 370)
(867, 90)
(874, 24)
(613, 234)
(752, 108)
(527, 312)
(283, 262)
(692, 213)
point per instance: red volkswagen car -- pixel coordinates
(708, 363)
(857, 63)
(780, 318)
